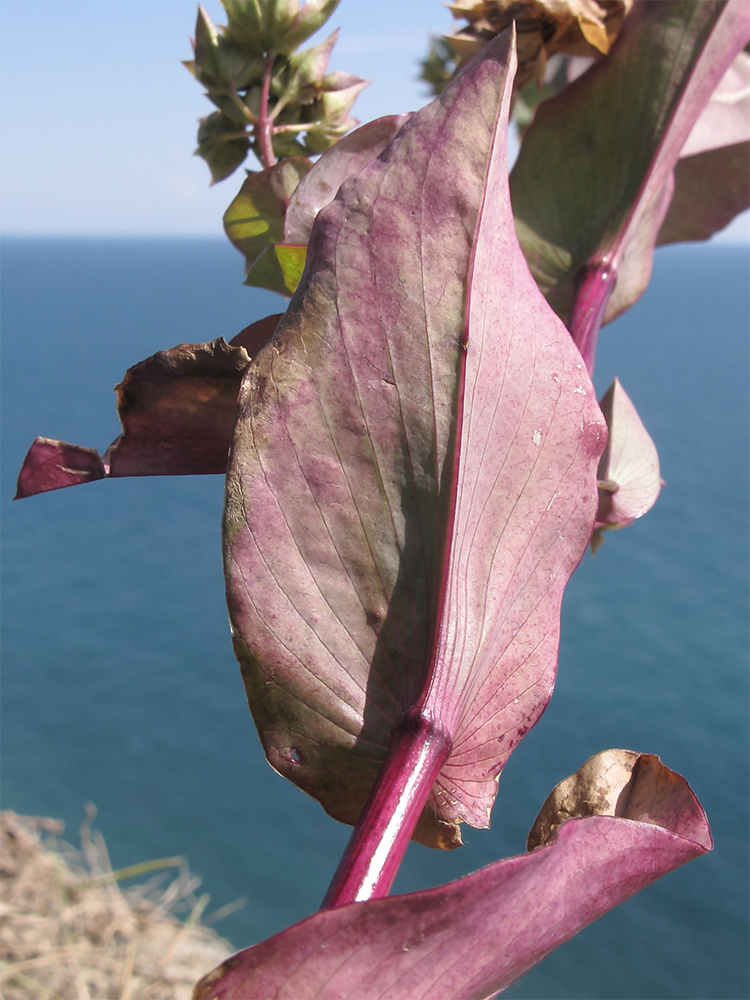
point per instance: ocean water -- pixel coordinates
(119, 683)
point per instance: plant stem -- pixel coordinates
(265, 122)
(595, 283)
(369, 864)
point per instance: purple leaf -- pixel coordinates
(629, 480)
(255, 337)
(51, 465)
(618, 824)
(391, 479)
(279, 267)
(318, 187)
(589, 184)
(718, 147)
(725, 120)
(177, 408)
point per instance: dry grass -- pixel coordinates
(67, 929)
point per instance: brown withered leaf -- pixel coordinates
(621, 783)
(178, 409)
(545, 27)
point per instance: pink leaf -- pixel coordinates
(629, 466)
(406, 500)
(318, 188)
(618, 824)
(51, 465)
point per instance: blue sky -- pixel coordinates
(98, 115)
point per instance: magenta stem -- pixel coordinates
(368, 867)
(594, 286)
(265, 122)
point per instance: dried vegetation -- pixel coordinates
(68, 930)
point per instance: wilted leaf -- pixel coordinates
(389, 479)
(255, 337)
(177, 409)
(545, 27)
(595, 161)
(633, 821)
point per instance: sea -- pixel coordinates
(119, 686)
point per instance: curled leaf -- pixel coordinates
(621, 822)
(629, 466)
(178, 409)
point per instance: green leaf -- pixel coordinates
(238, 69)
(700, 206)
(221, 145)
(278, 268)
(338, 92)
(206, 67)
(255, 219)
(287, 144)
(595, 161)
(310, 66)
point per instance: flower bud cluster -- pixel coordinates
(271, 99)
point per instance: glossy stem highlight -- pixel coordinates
(372, 857)
(594, 285)
(265, 122)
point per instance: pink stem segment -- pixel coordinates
(265, 123)
(595, 283)
(368, 867)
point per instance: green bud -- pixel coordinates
(311, 16)
(260, 25)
